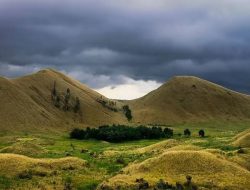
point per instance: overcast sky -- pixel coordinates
(126, 48)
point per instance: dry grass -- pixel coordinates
(207, 170)
(190, 99)
(13, 165)
(157, 147)
(24, 148)
(26, 104)
(243, 139)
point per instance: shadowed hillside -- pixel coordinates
(190, 99)
(26, 103)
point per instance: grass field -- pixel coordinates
(103, 159)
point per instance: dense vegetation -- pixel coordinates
(119, 133)
(127, 112)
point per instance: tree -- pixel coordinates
(77, 105)
(66, 100)
(57, 101)
(168, 132)
(187, 132)
(127, 112)
(53, 92)
(201, 133)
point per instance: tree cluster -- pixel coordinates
(120, 133)
(127, 112)
(64, 101)
(187, 133)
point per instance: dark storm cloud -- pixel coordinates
(99, 42)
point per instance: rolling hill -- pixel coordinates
(208, 170)
(27, 104)
(190, 99)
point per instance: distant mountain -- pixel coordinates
(190, 99)
(29, 104)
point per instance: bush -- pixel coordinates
(142, 183)
(26, 174)
(162, 185)
(119, 133)
(201, 133)
(187, 132)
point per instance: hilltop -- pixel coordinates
(190, 99)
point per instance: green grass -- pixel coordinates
(218, 136)
(5, 183)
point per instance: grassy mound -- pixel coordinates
(158, 147)
(13, 165)
(207, 170)
(24, 148)
(190, 99)
(243, 140)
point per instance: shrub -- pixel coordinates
(187, 132)
(142, 183)
(120, 161)
(162, 185)
(241, 151)
(201, 133)
(26, 174)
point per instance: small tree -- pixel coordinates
(77, 105)
(57, 101)
(53, 92)
(66, 100)
(168, 132)
(187, 132)
(127, 112)
(201, 133)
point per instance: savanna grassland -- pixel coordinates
(57, 162)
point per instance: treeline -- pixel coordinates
(120, 133)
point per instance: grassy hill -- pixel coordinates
(26, 104)
(190, 99)
(210, 171)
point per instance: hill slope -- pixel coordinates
(26, 103)
(190, 99)
(207, 170)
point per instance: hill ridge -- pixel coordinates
(26, 103)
